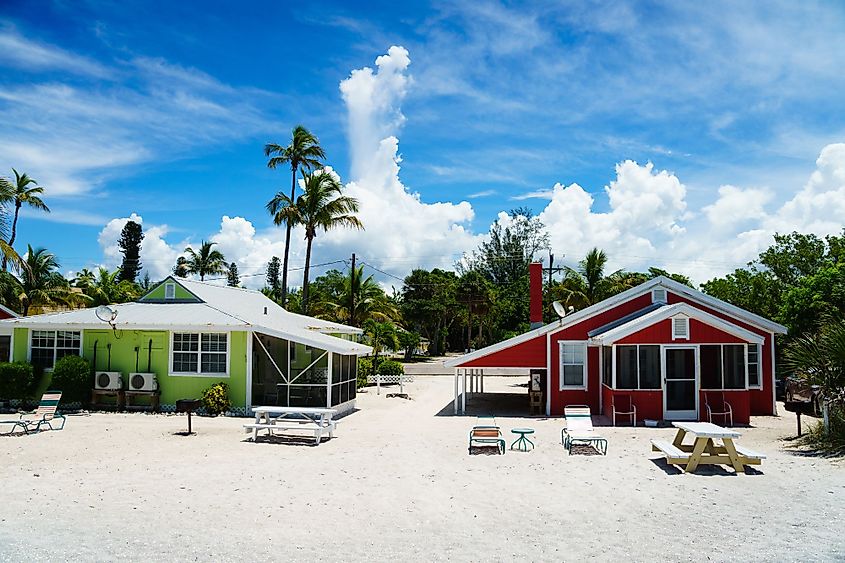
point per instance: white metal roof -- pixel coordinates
(225, 309)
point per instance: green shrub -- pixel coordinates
(17, 380)
(72, 376)
(365, 369)
(390, 367)
(215, 399)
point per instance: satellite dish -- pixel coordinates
(106, 313)
(559, 309)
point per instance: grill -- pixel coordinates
(188, 406)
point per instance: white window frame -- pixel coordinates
(759, 384)
(199, 355)
(170, 291)
(675, 335)
(639, 386)
(654, 293)
(561, 344)
(55, 341)
(722, 368)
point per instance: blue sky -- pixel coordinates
(679, 134)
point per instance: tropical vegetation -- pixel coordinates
(303, 152)
(23, 191)
(205, 261)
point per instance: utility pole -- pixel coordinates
(551, 269)
(352, 291)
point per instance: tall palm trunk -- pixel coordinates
(305, 276)
(287, 241)
(14, 233)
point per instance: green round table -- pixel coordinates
(522, 442)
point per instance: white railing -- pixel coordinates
(385, 379)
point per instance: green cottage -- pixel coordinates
(183, 336)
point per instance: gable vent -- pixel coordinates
(680, 328)
(658, 295)
(170, 291)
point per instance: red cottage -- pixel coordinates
(668, 349)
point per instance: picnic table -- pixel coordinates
(704, 449)
(311, 419)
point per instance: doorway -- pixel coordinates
(680, 389)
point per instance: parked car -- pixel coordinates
(798, 389)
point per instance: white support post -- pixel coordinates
(329, 382)
(457, 375)
(464, 394)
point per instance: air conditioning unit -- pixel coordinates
(143, 382)
(108, 380)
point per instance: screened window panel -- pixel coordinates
(42, 357)
(626, 367)
(213, 363)
(184, 362)
(213, 342)
(337, 368)
(711, 366)
(649, 367)
(573, 375)
(607, 365)
(734, 366)
(336, 394)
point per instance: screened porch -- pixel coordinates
(292, 374)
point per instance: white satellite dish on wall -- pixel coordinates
(561, 310)
(106, 314)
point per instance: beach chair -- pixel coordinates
(717, 405)
(485, 435)
(623, 405)
(579, 429)
(44, 415)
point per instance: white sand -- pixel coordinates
(397, 484)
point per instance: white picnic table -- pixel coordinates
(704, 449)
(312, 419)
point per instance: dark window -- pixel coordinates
(711, 367)
(626, 367)
(607, 365)
(734, 366)
(649, 367)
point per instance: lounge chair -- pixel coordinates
(44, 415)
(579, 429)
(623, 405)
(717, 405)
(486, 435)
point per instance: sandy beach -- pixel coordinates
(396, 483)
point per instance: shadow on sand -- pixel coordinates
(705, 470)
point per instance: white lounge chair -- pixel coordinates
(579, 429)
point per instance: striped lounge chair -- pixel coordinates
(44, 415)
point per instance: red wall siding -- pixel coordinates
(649, 404)
(762, 400)
(700, 333)
(528, 354)
(740, 402)
(5, 315)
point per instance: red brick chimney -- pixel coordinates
(535, 285)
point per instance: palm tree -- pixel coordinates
(206, 261)
(41, 283)
(22, 194)
(107, 288)
(304, 151)
(322, 206)
(587, 285)
(380, 336)
(355, 300)
(84, 279)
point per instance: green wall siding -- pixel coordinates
(123, 359)
(157, 294)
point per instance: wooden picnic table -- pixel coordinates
(704, 449)
(312, 419)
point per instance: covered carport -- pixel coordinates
(521, 355)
